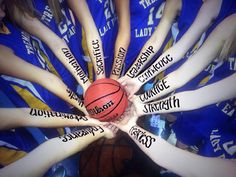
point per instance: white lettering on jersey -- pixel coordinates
(47, 14)
(215, 140)
(230, 147)
(110, 17)
(143, 32)
(232, 61)
(228, 109)
(153, 15)
(146, 3)
(26, 41)
(66, 28)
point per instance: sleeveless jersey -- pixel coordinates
(200, 127)
(67, 30)
(144, 17)
(104, 16)
(32, 51)
(188, 13)
(216, 121)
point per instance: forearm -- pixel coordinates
(122, 8)
(161, 88)
(94, 44)
(179, 161)
(121, 47)
(16, 67)
(171, 56)
(191, 68)
(63, 53)
(206, 15)
(37, 162)
(56, 86)
(190, 100)
(96, 54)
(155, 42)
(58, 47)
(32, 117)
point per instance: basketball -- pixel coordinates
(108, 158)
(105, 99)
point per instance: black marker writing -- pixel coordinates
(160, 86)
(81, 133)
(118, 61)
(133, 71)
(141, 136)
(72, 61)
(166, 104)
(97, 53)
(49, 114)
(152, 70)
(73, 96)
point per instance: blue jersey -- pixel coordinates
(221, 141)
(199, 126)
(67, 30)
(105, 19)
(144, 17)
(212, 128)
(188, 13)
(227, 9)
(31, 50)
(16, 143)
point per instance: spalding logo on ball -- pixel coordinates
(105, 99)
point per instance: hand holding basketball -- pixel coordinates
(105, 99)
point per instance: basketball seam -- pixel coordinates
(102, 83)
(114, 107)
(103, 96)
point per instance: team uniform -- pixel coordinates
(16, 143)
(189, 11)
(32, 51)
(227, 8)
(212, 128)
(144, 17)
(69, 32)
(105, 19)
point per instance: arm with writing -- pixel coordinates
(56, 44)
(94, 43)
(174, 159)
(189, 100)
(123, 37)
(196, 63)
(32, 117)
(14, 66)
(38, 161)
(208, 11)
(152, 46)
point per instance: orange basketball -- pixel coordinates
(105, 99)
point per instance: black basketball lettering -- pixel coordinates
(123, 94)
(105, 99)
